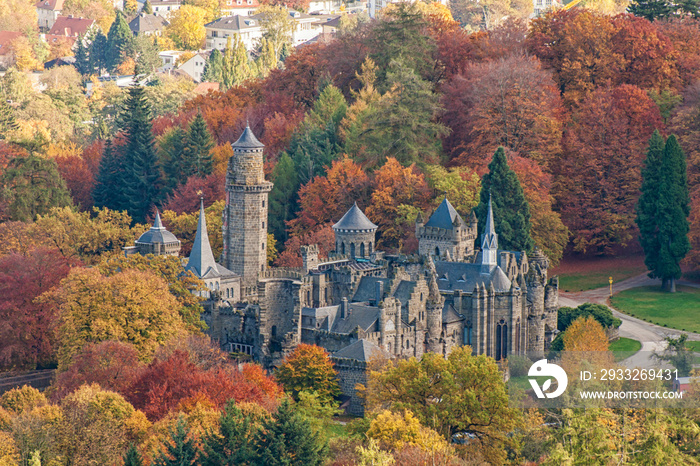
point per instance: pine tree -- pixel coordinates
(511, 212)
(197, 157)
(214, 68)
(98, 51)
(650, 9)
(141, 176)
(672, 215)
(236, 443)
(647, 205)
(171, 147)
(283, 197)
(108, 190)
(180, 450)
(119, 40)
(147, 8)
(132, 457)
(289, 440)
(82, 56)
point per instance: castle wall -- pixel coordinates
(351, 373)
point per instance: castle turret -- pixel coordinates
(245, 215)
(445, 233)
(354, 234)
(489, 244)
(157, 241)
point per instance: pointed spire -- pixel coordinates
(157, 224)
(489, 243)
(201, 258)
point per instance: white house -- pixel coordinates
(239, 7)
(325, 6)
(47, 11)
(164, 7)
(169, 57)
(194, 67)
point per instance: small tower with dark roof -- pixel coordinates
(355, 234)
(445, 234)
(245, 215)
(157, 241)
(489, 244)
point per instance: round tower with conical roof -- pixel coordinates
(245, 215)
(355, 234)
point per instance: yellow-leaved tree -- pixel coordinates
(396, 430)
(585, 340)
(186, 27)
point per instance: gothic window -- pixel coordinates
(468, 334)
(437, 251)
(352, 250)
(263, 224)
(263, 246)
(308, 298)
(263, 203)
(342, 248)
(501, 340)
(273, 331)
(370, 247)
(516, 346)
(362, 250)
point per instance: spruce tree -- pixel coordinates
(172, 146)
(132, 457)
(650, 9)
(141, 175)
(235, 443)
(98, 51)
(672, 214)
(119, 40)
(511, 212)
(647, 205)
(82, 56)
(197, 158)
(180, 450)
(283, 197)
(147, 8)
(289, 440)
(214, 68)
(108, 189)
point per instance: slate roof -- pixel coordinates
(404, 290)
(449, 315)
(247, 140)
(465, 276)
(235, 23)
(71, 27)
(362, 350)
(361, 316)
(444, 216)
(325, 316)
(366, 290)
(354, 219)
(500, 280)
(147, 23)
(54, 5)
(201, 261)
(157, 234)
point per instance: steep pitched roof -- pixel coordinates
(359, 315)
(157, 234)
(53, 5)
(70, 26)
(354, 219)
(5, 38)
(444, 216)
(247, 140)
(362, 350)
(201, 261)
(490, 238)
(147, 23)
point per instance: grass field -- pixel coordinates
(624, 348)
(589, 274)
(680, 310)
(693, 346)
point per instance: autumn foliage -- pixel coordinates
(309, 368)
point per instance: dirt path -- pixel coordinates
(651, 336)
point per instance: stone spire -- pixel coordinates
(201, 258)
(158, 225)
(489, 243)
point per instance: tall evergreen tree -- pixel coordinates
(214, 68)
(180, 450)
(119, 39)
(98, 53)
(132, 457)
(145, 53)
(171, 147)
(235, 443)
(7, 119)
(289, 440)
(108, 188)
(283, 197)
(650, 9)
(672, 214)
(511, 212)
(197, 158)
(82, 56)
(147, 8)
(236, 65)
(141, 175)
(647, 206)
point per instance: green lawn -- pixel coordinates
(680, 310)
(597, 279)
(624, 348)
(693, 345)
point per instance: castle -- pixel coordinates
(360, 303)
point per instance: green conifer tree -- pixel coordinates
(82, 56)
(180, 450)
(119, 39)
(198, 146)
(214, 68)
(108, 191)
(98, 51)
(650, 9)
(8, 122)
(147, 8)
(672, 214)
(132, 457)
(235, 443)
(141, 175)
(511, 212)
(647, 205)
(236, 66)
(283, 197)
(289, 440)
(171, 147)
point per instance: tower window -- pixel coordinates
(263, 246)
(263, 203)
(263, 224)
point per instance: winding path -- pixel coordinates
(651, 336)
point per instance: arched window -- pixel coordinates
(342, 248)
(352, 250)
(437, 251)
(273, 331)
(370, 247)
(362, 249)
(501, 340)
(468, 334)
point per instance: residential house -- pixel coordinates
(325, 6)
(169, 58)
(47, 12)
(239, 7)
(194, 67)
(148, 25)
(69, 26)
(163, 7)
(7, 57)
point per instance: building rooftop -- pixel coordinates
(54, 5)
(157, 234)
(147, 23)
(444, 216)
(354, 219)
(247, 140)
(71, 27)
(362, 350)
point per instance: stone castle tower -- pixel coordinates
(245, 215)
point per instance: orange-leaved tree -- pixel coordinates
(309, 368)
